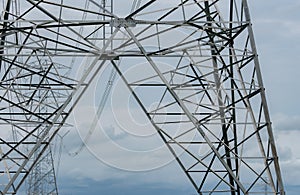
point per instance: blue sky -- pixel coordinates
(277, 32)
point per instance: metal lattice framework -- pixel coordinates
(200, 67)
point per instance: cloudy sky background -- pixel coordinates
(132, 171)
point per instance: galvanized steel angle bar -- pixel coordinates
(33, 131)
(60, 21)
(12, 148)
(130, 41)
(263, 96)
(15, 58)
(162, 131)
(39, 73)
(199, 161)
(70, 7)
(189, 115)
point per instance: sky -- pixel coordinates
(276, 26)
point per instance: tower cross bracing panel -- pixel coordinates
(200, 68)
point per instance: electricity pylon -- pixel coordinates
(200, 68)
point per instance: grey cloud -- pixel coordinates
(285, 153)
(286, 123)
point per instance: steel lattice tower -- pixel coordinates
(200, 68)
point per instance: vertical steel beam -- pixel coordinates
(264, 100)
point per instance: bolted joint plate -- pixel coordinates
(122, 22)
(108, 56)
